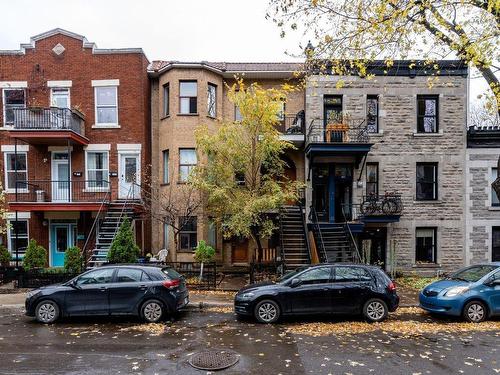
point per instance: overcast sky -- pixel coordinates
(185, 30)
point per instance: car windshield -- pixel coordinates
(473, 274)
(290, 274)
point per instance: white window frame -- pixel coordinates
(52, 104)
(89, 188)
(106, 124)
(9, 236)
(6, 185)
(490, 180)
(190, 166)
(3, 102)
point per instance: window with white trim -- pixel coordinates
(166, 174)
(60, 97)
(187, 162)
(106, 105)
(12, 99)
(15, 167)
(97, 171)
(188, 97)
(22, 237)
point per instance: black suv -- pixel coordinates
(147, 291)
(321, 289)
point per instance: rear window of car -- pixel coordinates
(171, 273)
(343, 274)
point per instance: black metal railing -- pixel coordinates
(292, 124)
(48, 119)
(271, 271)
(375, 205)
(320, 245)
(39, 278)
(352, 242)
(43, 191)
(345, 132)
(191, 273)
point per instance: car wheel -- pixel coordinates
(267, 311)
(152, 311)
(375, 310)
(47, 312)
(475, 312)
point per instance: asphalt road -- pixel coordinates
(126, 346)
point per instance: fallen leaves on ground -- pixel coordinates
(415, 282)
(217, 293)
(220, 309)
(154, 329)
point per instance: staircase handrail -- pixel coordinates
(94, 226)
(314, 218)
(125, 203)
(306, 232)
(282, 249)
(353, 242)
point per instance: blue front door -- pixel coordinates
(62, 237)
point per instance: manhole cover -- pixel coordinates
(214, 359)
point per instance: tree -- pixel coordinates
(481, 117)
(5, 256)
(354, 32)
(203, 253)
(123, 248)
(35, 256)
(3, 211)
(73, 259)
(240, 170)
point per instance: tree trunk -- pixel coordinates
(201, 271)
(256, 237)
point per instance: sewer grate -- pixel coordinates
(214, 359)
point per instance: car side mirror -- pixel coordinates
(492, 282)
(73, 283)
(295, 283)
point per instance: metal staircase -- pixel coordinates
(293, 236)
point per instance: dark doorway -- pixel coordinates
(495, 245)
(320, 194)
(373, 246)
(343, 192)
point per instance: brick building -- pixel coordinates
(76, 119)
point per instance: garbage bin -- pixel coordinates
(40, 196)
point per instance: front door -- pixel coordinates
(342, 193)
(240, 251)
(321, 196)
(129, 176)
(62, 237)
(61, 187)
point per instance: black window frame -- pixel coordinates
(375, 117)
(495, 250)
(193, 100)
(376, 182)
(435, 182)
(187, 230)
(166, 99)
(421, 117)
(213, 105)
(434, 246)
(493, 193)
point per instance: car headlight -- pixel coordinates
(32, 293)
(455, 291)
(247, 296)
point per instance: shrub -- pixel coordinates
(4, 256)
(35, 257)
(203, 253)
(123, 248)
(73, 260)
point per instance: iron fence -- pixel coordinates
(292, 124)
(42, 191)
(53, 118)
(39, 278)
(271, 271)
(191, 273)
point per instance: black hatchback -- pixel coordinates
(321, 289)
(150, 292)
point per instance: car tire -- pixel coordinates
(475, 312)
(375, 310)
(267, 311)
(47, 312)
(152, 311)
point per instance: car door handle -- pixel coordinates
(143, 287)
(103, 288)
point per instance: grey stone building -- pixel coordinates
(402, 132)
(482, 204)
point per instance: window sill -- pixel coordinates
(426, 265)
(95, 190)
(378, 134)
(188, 114)
(164, 117)
(19, 191)
(439, 134)
(186, 251)
(211, 117)
(430, 201)
(494, 208)
(106, 126)
(6, 127)
(165, 184)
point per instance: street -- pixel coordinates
(410, 342)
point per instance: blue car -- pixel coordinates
(473, 293)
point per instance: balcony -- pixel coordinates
(292, 128)
(55, 126)
(386, 208)
(67, 195)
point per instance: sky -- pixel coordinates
(183, 30)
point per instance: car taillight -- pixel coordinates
(391, 287)
(169, 284)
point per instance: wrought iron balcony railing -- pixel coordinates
(52, 118)
(292, 124)
(342, 132)
(389, 204)
(62, 191)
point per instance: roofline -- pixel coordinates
(85, 44)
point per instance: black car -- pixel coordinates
(321, 289)
(147, 291)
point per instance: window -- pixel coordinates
(102, 276)
(130, 275)
(106, 102)
(166, 174)
(237, 113)
(97, 170)
(344, 274)
(320, 275)
(212, 233)
(426, 249)
(15, 168)
(60, 98)
(165, 235)
(188, 237)
(372, 113)
(427, 187)
(212, 100)
(22, 237)
(188, 92)
(166, 99)
(494, 198)
(427, 113)
(12, 98)
(187, 161)
(495, 246)
(371, 179)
